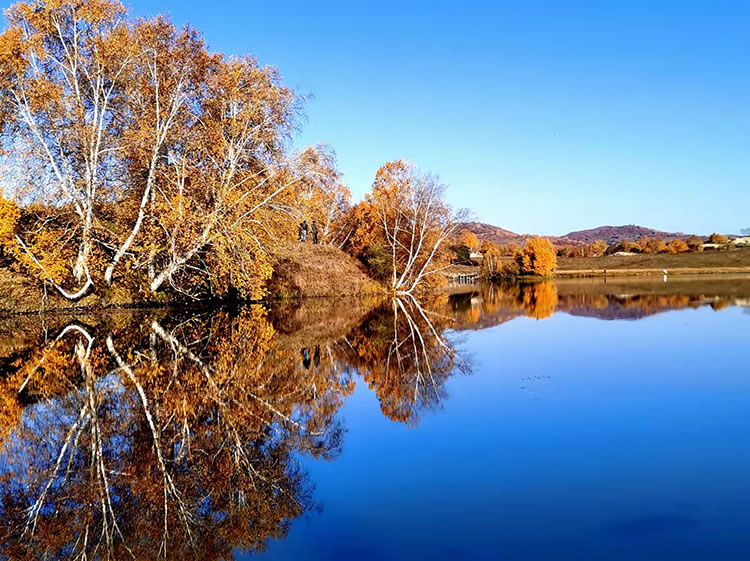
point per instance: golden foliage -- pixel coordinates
(10, 214)
(538, 257)
(147, 160)
(491, 261)
(718, 238)
(677, 246)
(169, 413)
(468, 239)
(399, 229)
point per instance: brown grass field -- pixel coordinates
(734, 261)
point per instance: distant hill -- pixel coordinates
(610, 234)
(503, 236)
(614, 234)
(495, 234)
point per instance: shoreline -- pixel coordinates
(587, 273)
(277, 300)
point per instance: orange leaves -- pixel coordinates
(320, 195)
(13, 59)
(10, 214)
(677, 246)
(491, 260)
(44, 95)
(151, 150)
(400, 227)
(538, 257)
(468, 239)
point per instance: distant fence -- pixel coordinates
(464, 278)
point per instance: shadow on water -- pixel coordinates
(173, 435)
(168, 434)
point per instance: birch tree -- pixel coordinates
(321, 196)
(412, 220)
(223, 198)
(136, 153)
(63, 70)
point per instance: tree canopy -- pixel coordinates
(137, 156)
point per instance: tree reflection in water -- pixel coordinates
(148, 436)
(404, 357)
(617, 299)
(163, 435)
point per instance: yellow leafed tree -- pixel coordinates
(140, 158)
(538, 257)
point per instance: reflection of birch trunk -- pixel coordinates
(416, 350)
(169, 487)
(87, 417)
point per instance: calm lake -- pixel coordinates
(581, 420)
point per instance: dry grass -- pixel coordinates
(736, 261)
(312, 271)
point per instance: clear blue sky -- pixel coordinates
(542, 117)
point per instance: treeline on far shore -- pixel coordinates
(538, 257)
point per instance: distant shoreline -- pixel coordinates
(583, 273)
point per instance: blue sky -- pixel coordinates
(542, 117)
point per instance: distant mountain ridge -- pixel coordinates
(614, 234)
(610, 234)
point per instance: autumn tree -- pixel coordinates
(627, 246)
(491, 260)
(539, 299)
(402, 353)
(134, 426)
(402, 225)
(63, 69)
(137, 156)
(224, 193)
(508, 249)
(694, 243)
(538, 257)
(9, 216)
(652, 245)
(677, 246)
(468, 239)
(321, 196)
(599, 248)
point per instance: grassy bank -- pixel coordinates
(316, 271)
(300, 271)
(734, 262)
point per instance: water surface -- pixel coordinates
(576, 420)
